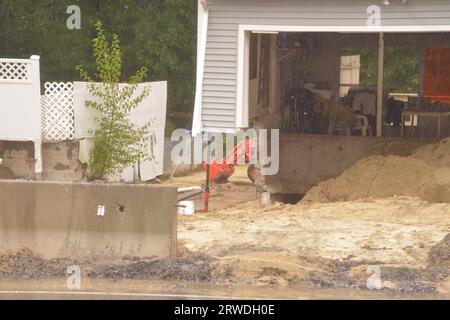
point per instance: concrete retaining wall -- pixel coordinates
(61, 220)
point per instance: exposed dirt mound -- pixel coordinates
(425, 175)
(435, 154)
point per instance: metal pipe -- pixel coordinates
(182, 190)
(208, 171)
(189, 195)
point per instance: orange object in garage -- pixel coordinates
(437, 75)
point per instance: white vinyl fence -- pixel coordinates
(66, 117)
(61, 115)
(20, 108)
(151, 109)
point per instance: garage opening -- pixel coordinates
(392, 85)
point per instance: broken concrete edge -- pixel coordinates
(60, 162)
(63, 220)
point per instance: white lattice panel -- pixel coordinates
(58, 122)
(16, 71)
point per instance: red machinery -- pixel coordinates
(223, 170)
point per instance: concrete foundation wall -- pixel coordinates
(61, 220)
(60, 161)
(307, 160)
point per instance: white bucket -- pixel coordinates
(186, 208)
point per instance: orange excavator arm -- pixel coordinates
(221, 171)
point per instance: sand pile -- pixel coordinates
(435, 154)
(425, 174)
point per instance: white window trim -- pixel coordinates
(242, 106)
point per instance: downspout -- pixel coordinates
(202, 34)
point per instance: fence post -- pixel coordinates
(36, 78)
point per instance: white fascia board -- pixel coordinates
(346, 29)
(202, 35)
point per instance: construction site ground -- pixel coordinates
(241, 249)
(331, 245)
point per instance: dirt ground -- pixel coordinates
(326, 245)
(319, 245)
(239, 190)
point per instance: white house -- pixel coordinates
(280, 64)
